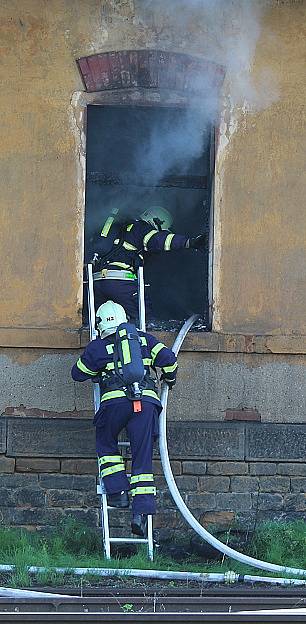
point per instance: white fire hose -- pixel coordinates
(191, 520)
(227, 577)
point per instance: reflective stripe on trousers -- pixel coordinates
(141, 428)
(110, 464)
(142, 484)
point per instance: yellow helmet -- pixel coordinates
(158, 217)
(108, 316)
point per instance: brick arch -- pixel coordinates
(150, 69)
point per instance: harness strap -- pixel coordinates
(111, 380)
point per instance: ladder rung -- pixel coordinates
(119, 508)
(128, 540)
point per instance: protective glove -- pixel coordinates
(168, 380)
(198, 242)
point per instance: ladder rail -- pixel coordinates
(107, 540)
(92, 327)
(142, 326)
(150, 539)
(141, 300)
(96, 395)
(105, 524)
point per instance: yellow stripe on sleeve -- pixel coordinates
(168, 241)
(107, 226)
(155, 351)
(84, 368)
(148, 237)
(170, 369)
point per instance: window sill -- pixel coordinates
(40, 337)
(45, 338)
(231, 343)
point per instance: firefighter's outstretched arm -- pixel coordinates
(164, 240)
(156, 241)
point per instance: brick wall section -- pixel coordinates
(229, 474)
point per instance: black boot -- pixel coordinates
(140, 525)
(119, 499)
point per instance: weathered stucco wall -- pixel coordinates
(259, 228)
(259, 274)
(37, 382)
(39, 219)
(261, 178)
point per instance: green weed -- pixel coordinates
(284, 544)
(74, 545)
(128, 607)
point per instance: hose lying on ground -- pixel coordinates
(163, 575)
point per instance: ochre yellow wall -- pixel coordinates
(259, 283)
(260, 273)
(38, 218)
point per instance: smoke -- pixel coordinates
(172, 147)
(225, 32)
(134, 151)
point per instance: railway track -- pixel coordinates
(141, 606)
(154, 618)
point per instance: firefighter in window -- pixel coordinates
(121, 361)
(119, 249)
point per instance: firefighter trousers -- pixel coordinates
(120, 291)
(142, 428)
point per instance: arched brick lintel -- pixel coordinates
(150, 69)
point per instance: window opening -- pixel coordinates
(137, 157)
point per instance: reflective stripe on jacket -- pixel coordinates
(97, 362)
(138, 238)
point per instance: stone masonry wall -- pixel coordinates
(235, 473)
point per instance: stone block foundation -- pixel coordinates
(229, 474)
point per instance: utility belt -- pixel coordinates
(113, 274)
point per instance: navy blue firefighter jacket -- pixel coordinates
(97, 362)
(137, 238)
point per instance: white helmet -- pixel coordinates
(108, 316)
(158, 217)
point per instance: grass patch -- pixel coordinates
(74, 545)
(284, 544)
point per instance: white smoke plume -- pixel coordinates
(225, 32)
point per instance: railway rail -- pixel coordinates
(155, 618)
(140, 606)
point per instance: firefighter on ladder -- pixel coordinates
(116, 412)
(115, 273)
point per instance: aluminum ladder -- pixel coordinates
(107, 539)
